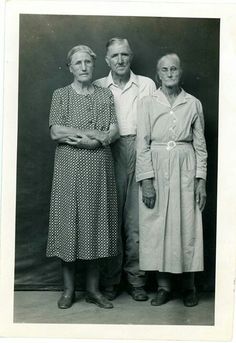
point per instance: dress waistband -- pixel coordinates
(169, 145)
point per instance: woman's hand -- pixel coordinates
(83, 142)
(102, 136)
(149, 193)
(200, 193)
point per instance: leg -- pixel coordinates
(190, 295)
(92, 285)
(111, 270)
(163, 294)
(68, 295)
(135, 277)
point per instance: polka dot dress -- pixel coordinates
(83, 215)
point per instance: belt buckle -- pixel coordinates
(170, 145)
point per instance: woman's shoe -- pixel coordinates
(162, 297)
(66, 301)
(190, 298)
(99, 300)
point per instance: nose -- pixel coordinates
(169, 74)
(83, 65)
(120, 58)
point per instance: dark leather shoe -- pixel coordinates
(162, 297)
(190, 298)
(138, 293)
(66, 301)
(98, 300)
(110, 292)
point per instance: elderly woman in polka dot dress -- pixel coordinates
(83, 215)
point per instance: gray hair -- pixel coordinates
(166, 55)
(118, 40)
(80, 48)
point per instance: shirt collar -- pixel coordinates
(133, 79)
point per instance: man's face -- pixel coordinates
(119, 58)
(169, 71)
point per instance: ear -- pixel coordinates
(70, 69)
(107, 61)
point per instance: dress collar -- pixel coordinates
(181, 98)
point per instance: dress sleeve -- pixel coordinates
(144, 166)
(199, 143)
(56, 116)
(113, 118)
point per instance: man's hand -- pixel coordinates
(149, 193)
(200, 193)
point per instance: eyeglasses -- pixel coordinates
(172, 70)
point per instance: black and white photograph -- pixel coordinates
(113, 167)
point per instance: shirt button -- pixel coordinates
(171, 112)
(174, 120)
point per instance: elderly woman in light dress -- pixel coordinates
(171, 170)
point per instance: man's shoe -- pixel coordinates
(110, 292)
(66, 301)
(138, 293)
(98, 300)
(190, 298)
(162, 297)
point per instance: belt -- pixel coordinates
(169, 145)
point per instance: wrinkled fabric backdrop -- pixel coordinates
(44, 43)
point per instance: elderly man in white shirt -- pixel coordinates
(127, 89)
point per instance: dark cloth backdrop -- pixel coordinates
(44, 43)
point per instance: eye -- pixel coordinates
(173, 69)
(164, 70)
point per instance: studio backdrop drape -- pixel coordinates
(44, 43)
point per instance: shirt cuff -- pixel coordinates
(143, 176)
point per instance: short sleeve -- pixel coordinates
(56, 116)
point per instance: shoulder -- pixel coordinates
(146, 81)
(100, 82)
(61, 91)
(147, 100)
(194, 102)
(103, 91)
(192, 98)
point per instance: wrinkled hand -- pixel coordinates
(200, 193)
(149, 193)
(82, 141)
(102, 136)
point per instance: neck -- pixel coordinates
(171, 91)
(120, 80)
(83, 87)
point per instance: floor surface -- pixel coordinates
(41, 307)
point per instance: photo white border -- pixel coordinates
(226, 240)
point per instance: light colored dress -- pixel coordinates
(171, 233)
(83, 215)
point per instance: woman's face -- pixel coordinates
(82, 66)
(169, 71)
